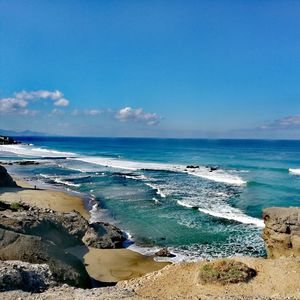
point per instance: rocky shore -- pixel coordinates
(48, 253)
(6, 140)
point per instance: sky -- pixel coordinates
(191, 69)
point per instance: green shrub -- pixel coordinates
(225, 271)
(15, 206)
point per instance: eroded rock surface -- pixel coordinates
(282, 231)
(104, 236)
(18, 275)
(65, 267)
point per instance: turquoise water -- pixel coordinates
(144, 187)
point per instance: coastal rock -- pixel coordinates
(6, 140)
(104, 236)
(282, 231)
(63, 229)
(18, 275)
(5, 179)
(65, 267)
(164, 252)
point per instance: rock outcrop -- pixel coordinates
(40, 236)
(103, 236)
(63, 229)
(65, 267)
(6, 140)
(164, 252)
(18, 275)
(5, 179)
(282, 231)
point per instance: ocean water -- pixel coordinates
(144, 187)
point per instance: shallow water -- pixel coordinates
(143, 185)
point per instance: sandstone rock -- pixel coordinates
(17, 275)
(282, 231)
(5, 179)
(65, 267)
(104, 236)
(164, 252)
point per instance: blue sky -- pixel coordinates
(151, 68)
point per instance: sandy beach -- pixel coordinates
(109, 265)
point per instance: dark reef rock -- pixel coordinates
(20, 162)
(65, 267)
(164, 252)
(282, 231)
(26, 162)
(18, 275)
(6, 140)
(192, 167)
(5, 179)
(212, 168)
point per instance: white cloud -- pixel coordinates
(41, 94)
(21, 100)
(12, 104)
(62, 102)
(137, 115)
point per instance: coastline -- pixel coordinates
(105, 265)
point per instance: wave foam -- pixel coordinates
(225, 211)
(59, 180)
(158, 191)
(29, 150)
(294, 171)
(218, 175)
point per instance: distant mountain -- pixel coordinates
(21, 133)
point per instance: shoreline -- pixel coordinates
(105, 265)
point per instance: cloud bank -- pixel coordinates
(20, 101)
(285, 123)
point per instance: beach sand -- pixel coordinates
(112, 265)
(109, 265)
(44, 198)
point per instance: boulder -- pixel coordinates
(5, 179)
(65, 267)
(282, 231)
(164, 252)
(104, 236)
(18, 275)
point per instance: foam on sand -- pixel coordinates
(294, 171)
(217, 175)
(29, 150)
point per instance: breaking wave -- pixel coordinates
(226, 212)
(204, 172)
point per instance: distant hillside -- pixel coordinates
(21, 133)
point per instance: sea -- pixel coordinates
(201, 198)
